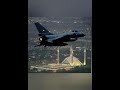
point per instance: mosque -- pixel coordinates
(73, 61)
(67, 63)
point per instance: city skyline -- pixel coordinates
(46, 55)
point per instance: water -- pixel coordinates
(59, 81)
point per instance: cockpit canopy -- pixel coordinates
(74, 31)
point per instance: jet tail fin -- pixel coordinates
(41, 29)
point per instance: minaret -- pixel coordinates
(71, 56)
(58, 55)
(84, 56)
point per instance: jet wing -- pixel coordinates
(61, 38)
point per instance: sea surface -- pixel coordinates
(59, 81)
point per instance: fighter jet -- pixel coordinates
(48, 39)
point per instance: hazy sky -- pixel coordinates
(59, 8)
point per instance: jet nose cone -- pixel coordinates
(81, 35)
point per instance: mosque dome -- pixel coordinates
(76, 61)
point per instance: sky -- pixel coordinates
(79, 8)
